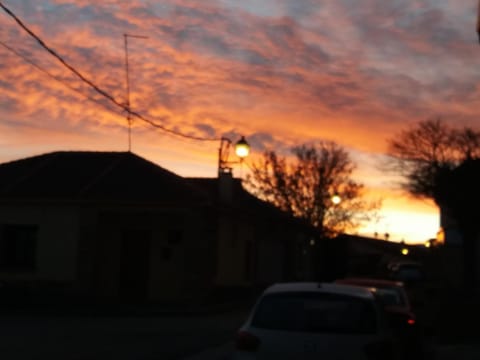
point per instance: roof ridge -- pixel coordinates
(48, 157)
(102, 174)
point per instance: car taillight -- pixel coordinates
(411, 321)
(247, 342)
(380, 350)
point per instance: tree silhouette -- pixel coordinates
(441, 163)
(305, 185)
(427, 149)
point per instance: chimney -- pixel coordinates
(226, 184)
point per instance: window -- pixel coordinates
(315, 313)
(390, 297)
(18, 245)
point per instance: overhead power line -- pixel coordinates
(59, 58)
(124, 107)
(49, 74)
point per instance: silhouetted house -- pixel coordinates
(459, 195)
(348, 255)
(114, 225)
(275, 246)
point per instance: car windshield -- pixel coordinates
(410, 271)
(391, 296)
(317, 313)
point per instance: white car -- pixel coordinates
(316, 321)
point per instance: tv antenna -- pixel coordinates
(127, 105)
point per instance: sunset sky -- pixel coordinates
(280, 72)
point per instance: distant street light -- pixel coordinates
(242, 150)
(336, 199)
(404, 250)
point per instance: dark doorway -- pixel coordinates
(135, 264)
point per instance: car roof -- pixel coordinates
(369, 282)
(331, 288)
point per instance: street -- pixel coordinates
(167, 337)
(442, 352)
(122, 338)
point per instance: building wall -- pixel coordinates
(84, 247)
(159, 254)
(270, 260)
(200, 254)
(284, 253)
(259, 252)
(56, 244)
(144, 244)
(178, 263)
(234, 235)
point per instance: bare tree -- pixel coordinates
(466, 143)
(419, 153)
(428, 150)
(443, 164)
(305, 186)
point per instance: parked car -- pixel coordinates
(402, 318)
(412, 274)
(316, 321)
(393, 293)
(406, 271)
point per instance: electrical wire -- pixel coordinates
(102, 92)
(56, 78)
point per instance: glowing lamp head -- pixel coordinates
(405, 251)
(242, 148)
(336, 199)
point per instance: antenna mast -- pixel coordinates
(127, 79)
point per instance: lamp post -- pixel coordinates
(242, 150)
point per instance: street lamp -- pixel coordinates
(242, 150)
(336, 199)
(404, 250)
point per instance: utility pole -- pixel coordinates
(129, 115)
(478, 21)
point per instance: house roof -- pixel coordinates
(95, 176)
(368, 242)
(240, 197)
(246, 203)
(121, 177)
